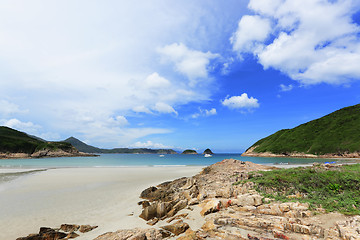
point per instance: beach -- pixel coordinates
(105, 197)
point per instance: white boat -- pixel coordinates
(161, 155)
(207, 155)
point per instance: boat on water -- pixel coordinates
(161, 155)
(207, 155)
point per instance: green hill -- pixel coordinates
(13, 141)
(83, 147)
(336, 134)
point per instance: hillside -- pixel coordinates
(334, 135)
(83, 147)
(15, 144)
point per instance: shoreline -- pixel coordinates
(297, 155)
(102, 196)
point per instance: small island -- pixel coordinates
(208, 151)
(189, 151)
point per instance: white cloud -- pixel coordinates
(27, 127)
(8, 108)
(74, 75)
(240, 102)
(251, 32)
(204, 113)
(156, 81)
(192, 63)
(150, 144)
(141, 109)
(164, 108)
(286, 88)
(309, 46)
(118, 121)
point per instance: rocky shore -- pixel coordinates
(46, 153)
(251, 153)
(209, 206)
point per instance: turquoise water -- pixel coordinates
(137, 160)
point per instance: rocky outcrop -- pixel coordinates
(236, 211)
(135, 234)
(66, 231)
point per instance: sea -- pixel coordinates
(13, 168)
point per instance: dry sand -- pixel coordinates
(106, 197)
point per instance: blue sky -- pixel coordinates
(175, 74)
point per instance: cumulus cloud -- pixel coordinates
(240, 102)
(286, 88)
(164, 108)
(27, 127)
(321, 45)
(251, 32)
(150, 144)
(191, 63)
(204, 113)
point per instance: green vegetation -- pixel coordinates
(13, 141)
(83, 147)
(189, 151)
(337, 189)
(336, 133)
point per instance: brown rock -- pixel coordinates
(86, 228)
(135, 234)
(176, 228)
(69, 227)
(72, 235)
(210, 206)
(153, 221)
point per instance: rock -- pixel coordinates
(194, 201)
(86, 228)
(153, 221)
(248, 200)
(184, 215)
(148, 212)
(176, 228)
(180, 205)
(147, 192)
(213, 205)
(135, 234)
(45, 233)
(189, 235)
(157, 209)
(69, 227)
(144, 204)
(72, 235)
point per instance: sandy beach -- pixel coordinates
(106, 197)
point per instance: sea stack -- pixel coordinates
(189, 151)
(208, 151)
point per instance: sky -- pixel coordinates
(175, 74)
